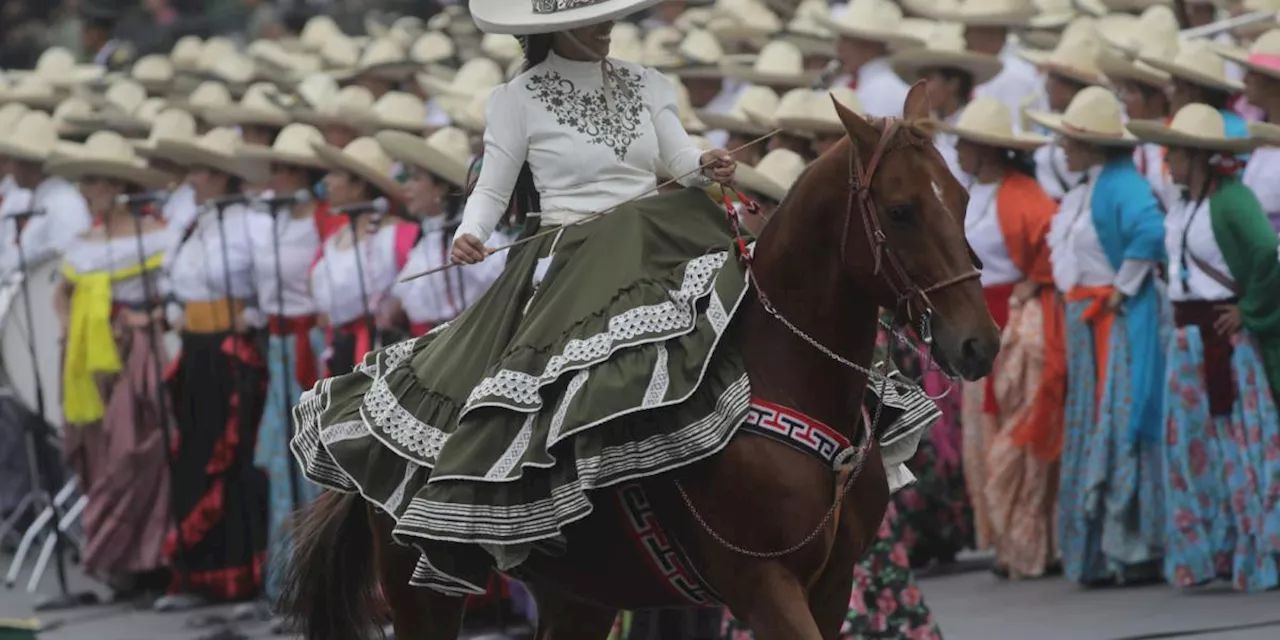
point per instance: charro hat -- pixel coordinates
(818, 116)
(208, 94)
(365, 158)
(394, 110)
(33, 138)
(32, 91)
(945, 49)
(383, 58)
(470, 116)
(1263, 57)
(1075, 57)
(659, 47)
(988, 121)
(1156, 24)
(988, 13)
(260, 106)
(74, 118)
(1195, 125)
(350, 103)
(9, 114)
(700, 56)
(293, 145)
(1094, 116)
(218, 149)
(154, 72)
(779, 64)
(754, 99)
(186, 52)
(773, 176)
(1265, 133)
(169, 124)
(476, 75)
(1117, 67)
(1197, 63)
(107, 154)
(523, 17)
(432, 47)
(57, 66)
(446, 152)
(872, 20)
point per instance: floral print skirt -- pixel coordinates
(886, 601)
(1223, 472)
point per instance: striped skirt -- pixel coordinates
(1110, 496)
(1223, 472)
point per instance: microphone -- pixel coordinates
(228, 200)
(146, 197)
(29, 213)
(377, 205)
(828, 73)
(301, 196)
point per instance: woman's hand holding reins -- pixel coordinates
(468, 249)
(719, 166)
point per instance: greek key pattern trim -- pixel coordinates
(796, 430)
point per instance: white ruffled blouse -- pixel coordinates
(111, 255)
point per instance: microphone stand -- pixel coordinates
(166, 416)
(295, 491)
(42, 466)
(374, 341)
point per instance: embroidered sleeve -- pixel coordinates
(506, 143)
(675, 149)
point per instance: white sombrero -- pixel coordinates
(988, 13)
(33, 138)
(58, 67)
(700, 55)
(9, 114)
(293, 145)
(1095, 116)
(1263, 57)
(154, 72)
(471, 116)
(1197, 63)
(432, 47)
(365, 158)
(754, 99)
(260, 106)
(394, 110)
(1265, 133)
(747, 22)
(107, 154)
(872, 20)
(218, 149)
(660, 46)
(31, 91)
(446, 153)
(780, 64)
(74, 117)
(210, 94)
(523, 17)
(169, 124)
(185, 54)
(1156, 24)
(626, 43)
(1196, 125)
(318, 32)
(1117, 67)
(773, 176)
(476, 75)
(819, 116)
(352, 102)
(383, 58)
(946, 50)
(1075, 57)
(988, 121)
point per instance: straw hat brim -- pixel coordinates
(189, 153)
(1119, 68)
(318, 118)
(1241, 57)
(731, 123)
(335, 158)
(271, 155)
(810, 45)
(1019, 142)
(1043, 60)
(436, 86)
(806, 124)
(697, 71)
(749, 74)
(750, 179)
(1195, 77)
(518, 18)
(124, 124)
(411, 149)
(1267, 133)
(392, 71)
(239, 115)
(19, 151)
(868, 33)
(1042, 39)
(911, 63)
(1053, 122)
(44, 101)
(369, 125)
(77, 168)
(1157, 132)
(1017, 18)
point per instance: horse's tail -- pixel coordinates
(331, 587)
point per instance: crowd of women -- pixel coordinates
(1123, 204)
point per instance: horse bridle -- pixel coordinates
(904, 287)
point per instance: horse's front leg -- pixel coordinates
(416, 613)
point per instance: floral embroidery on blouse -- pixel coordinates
(589, 113)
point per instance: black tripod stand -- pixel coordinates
(42, 466)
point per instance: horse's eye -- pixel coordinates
(900, 214)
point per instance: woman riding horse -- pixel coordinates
(623, 349)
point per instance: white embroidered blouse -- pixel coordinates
(110, 255)
(335, 279)
(1076, 252)
(982, 230)
(298, 241)
(200, 267)
(1188, 228)
(589, 150)
(440, 297)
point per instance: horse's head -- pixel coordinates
(902, 233)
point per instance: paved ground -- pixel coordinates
(969, 606)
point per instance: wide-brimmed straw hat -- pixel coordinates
(700, 55)
(988, 121)
(383, 58)
(471, 116)
(185, 54)
(1156, 24)
(319, 31)
(58, 67)
(210, 94)
(1075, 57)
(794, 103)
(1265, 133)
(747, 22)
(433, 47)
(872, 20)
(819, 116)
(9, 115)
(445, 153)
(773, 176)
(294, 145)
(107, 154)
(350, 103)
(945, 50)
(987, 13)
(1197, 63)
(755, 99)
(218, 149)
(72, 117)
(32, 138)
(476, 75)
(365, 158)
(1095, 116)
(169, 124)
(1263, 57)
(260, 106)
(31, 91)
(1117, 67)
(626, 43)
(660, 47)
(523, 17)
(394, 110)
(1196, 125)
(779, 64)
(154, 72)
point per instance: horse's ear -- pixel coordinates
(916, 106)
(855, 125)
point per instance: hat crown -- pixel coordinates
(55, 62)
(297, 139)
(150, 108)
(1198, 56)
(782, 165)
(432, 46)
(172, 124)
(1152, 44)
(452, 142)
(262, 96)
(987, 115)
(210, 93)
(318, 31)
(223, 141)
(36, 130)
(316, 89)
(73, 107)
(501, 46)
(367, 151)
(700, 47)
(756, 101)
(1159, 18)
(1095, 110)
(398, 106)
(1267, 44)
(779, 57)
(110, 146)
(125, 95)
(352, 99)
(216, 48)
(186, 52)
(233, 67)
(152, 68)
(381, 51)
(797, 103)
(10, 114)
(861, 13)
(477, 74)
(340, 52)
(845, 96)
(1199, 120)
(1079, 54)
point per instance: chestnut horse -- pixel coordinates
(877, 221)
